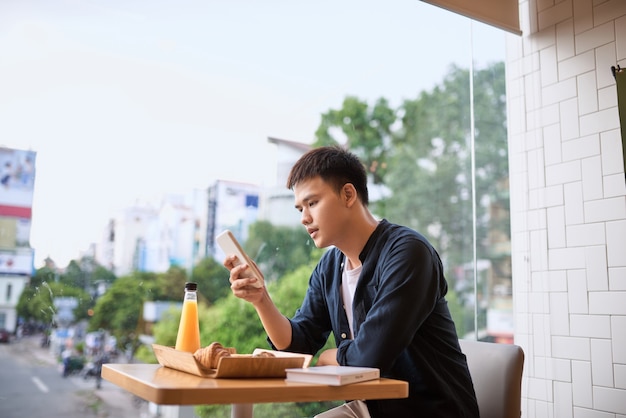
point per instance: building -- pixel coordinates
(181, 229)
(17, 179)
(277, 201)
(152, 237)
(127, 233)
(174, 238)
(231, 205)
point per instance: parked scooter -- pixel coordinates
(93, 368)
(72, 363)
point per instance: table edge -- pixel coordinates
(383, 388)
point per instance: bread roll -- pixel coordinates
(209, 356)
(264, 354)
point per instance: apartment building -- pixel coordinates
(17, 179)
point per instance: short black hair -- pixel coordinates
(335, 165)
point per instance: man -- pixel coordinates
(380, 291)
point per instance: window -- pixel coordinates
(179, 99)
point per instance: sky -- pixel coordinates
(129, 100)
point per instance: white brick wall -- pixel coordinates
(568, 207)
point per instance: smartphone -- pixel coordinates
(227, 241)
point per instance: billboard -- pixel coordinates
(14, 233)
(17, 180)
(18, 263)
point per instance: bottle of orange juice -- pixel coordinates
(188, 338)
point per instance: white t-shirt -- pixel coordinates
(349, 281)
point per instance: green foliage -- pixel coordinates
(212, 279)
(145, 354)
(279, 250)
(80, 281)
(44, 274)
(36, 302)
(148, 284)
(120, 309)
(85, 274)
(427, 161)
(234, 323)
(166, 330)
(269, 410)
(367, 132)
(170, 285)
(429, 180)
(459, 313)
(289, 293)
(74, 275)
(430, 162)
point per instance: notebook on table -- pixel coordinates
(332, 375)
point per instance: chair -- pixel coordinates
(496, 371)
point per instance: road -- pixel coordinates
(31, 385)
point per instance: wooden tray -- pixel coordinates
(234, 366)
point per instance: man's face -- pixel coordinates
(323, 211)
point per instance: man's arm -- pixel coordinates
(276, 325)
(328, 358)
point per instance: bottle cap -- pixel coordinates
(191, 286)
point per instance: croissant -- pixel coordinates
(209, 356)
(264, 354)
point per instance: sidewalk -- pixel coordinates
(115, 402)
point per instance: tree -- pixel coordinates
(431, 176)
(367, 132)
(279, 250)
(426, 160)
(44, 275)
(87, 274)
(425, 147)
(169, 285)
(36, 302)
(120, 309)
(212, 279)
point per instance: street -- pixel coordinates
(31, 385)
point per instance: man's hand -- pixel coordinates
(328, 358)
(276, 325)
(242, 286)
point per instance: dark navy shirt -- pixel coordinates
(402, 324)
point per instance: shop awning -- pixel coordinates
(503, 14)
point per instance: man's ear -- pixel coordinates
(349, 194)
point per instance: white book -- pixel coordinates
(332, 375)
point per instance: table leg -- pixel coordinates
(241, 410)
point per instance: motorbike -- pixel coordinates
(72, 364)
(93, 368)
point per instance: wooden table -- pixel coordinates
(165, 386)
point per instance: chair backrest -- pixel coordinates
(496, 371)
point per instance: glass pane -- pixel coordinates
(493, 236)
(124, 103)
